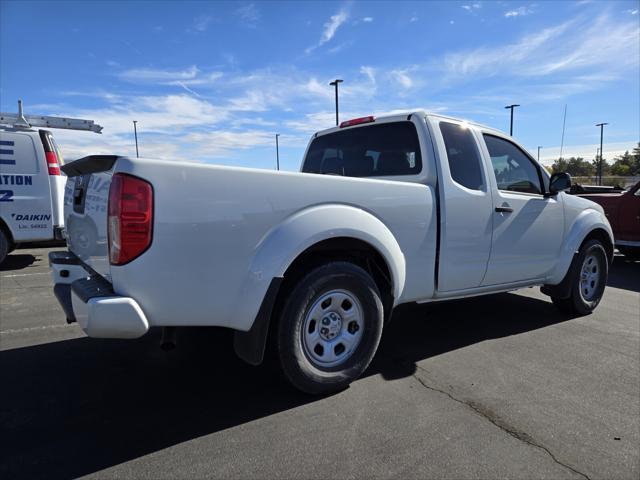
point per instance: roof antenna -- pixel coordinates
(21, 121)
(564, 122)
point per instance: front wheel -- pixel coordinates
(330, 328)
(588, 282)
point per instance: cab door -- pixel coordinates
(466, 206)
(528, 227)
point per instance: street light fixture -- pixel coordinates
(601, 125)
(135, 133)
(511, 107)
(335, 84)
(277, 153)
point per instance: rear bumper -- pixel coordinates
(89, 299)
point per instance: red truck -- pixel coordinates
(623, 212)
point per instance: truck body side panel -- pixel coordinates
(211, 222)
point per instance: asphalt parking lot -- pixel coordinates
(500, 386)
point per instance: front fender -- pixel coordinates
(584, 223)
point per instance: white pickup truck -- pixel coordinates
(406, 208)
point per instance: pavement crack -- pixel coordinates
(487, 415)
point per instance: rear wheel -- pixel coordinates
(590, 279)
(5, 246)
(330, 328)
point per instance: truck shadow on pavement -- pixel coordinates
(625, 274)
(78, 406)
(17, 262)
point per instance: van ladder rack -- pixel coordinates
(20, 120)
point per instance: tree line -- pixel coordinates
(625, 165)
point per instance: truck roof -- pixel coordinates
(404, 115)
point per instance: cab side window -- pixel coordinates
(514, 170)
(462, 154)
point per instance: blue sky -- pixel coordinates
(214, 81)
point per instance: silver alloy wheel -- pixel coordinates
(332, 328)
(589, 277)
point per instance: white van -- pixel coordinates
(31, 183)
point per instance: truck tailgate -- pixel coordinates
(86, 210)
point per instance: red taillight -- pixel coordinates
(358, 121)
(52, 163)
(130, 218)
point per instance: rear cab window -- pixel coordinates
(379, 150)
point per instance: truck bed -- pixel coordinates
(214, 227)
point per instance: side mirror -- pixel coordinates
(559, 182)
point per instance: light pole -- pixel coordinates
(539, 147)
(135, 133)
(335, 84)
(277, 153)
(511, 107)
(601, 125)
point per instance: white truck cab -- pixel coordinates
(31, 182)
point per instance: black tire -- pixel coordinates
(5, 246)
(630, 253)
(583, 302)
(296, 361)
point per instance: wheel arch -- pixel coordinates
(325, 228)
(589, 224)
(307, 239)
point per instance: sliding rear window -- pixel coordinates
(386, 149)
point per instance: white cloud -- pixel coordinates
(249, 14)
(155, 75)
(569, 46)
(338, 47)
(369, 72)
(313, 122)
(189, 76)
(367, 19)
(218, 143)
(472, 6)
(414, 18)
(518, 12)
(200, 23)
(632, 12)
(330, 29)
(403, 78)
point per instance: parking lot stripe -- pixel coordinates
(24, 274)
(31, 329)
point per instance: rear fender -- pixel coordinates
(285, 242)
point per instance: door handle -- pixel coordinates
(504, 209)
